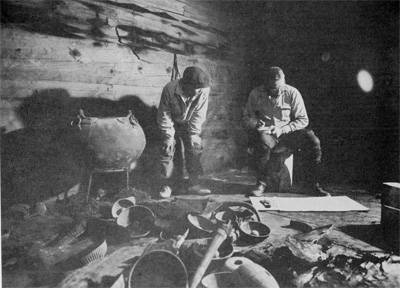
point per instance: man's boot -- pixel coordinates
(195, 188)
(258, 189)
(317, 189)
(262, 158)
(165, 192)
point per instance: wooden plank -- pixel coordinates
(94, 72)
(12, 37)
(22, 89)
(90, 88)
(126, 73)
(103, 34)
(155, 5)
(17, 37)
(78, 10)
(19, 89)
(178, 9)
(21, 44)
(174, 29)
(189, 60)
(48, 65)
(67, 51)
(73, 53)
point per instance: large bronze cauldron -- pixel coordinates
(111, 142)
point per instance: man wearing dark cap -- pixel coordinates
(181, 113)
(275, 113)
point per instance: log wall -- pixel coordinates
(110, 56)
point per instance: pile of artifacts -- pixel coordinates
(130, 240)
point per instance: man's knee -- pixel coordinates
(311, 139)
(316, 143)
(268, 142)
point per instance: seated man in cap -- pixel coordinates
(181, 113)
(276, 113)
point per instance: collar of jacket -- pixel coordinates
(263, 89)
(278, 102)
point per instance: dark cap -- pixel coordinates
(274, 78)
(196, 77)
(275, 73)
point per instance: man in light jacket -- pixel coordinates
(181, 114)
(275, 113)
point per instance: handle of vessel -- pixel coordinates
(132, 119)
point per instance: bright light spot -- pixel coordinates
(325, 56)
(365, 80)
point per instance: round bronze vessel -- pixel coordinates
(111, 142)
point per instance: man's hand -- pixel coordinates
(195, 140)
(168, 147)
(276, 131)
(261, 127)
(260, 124)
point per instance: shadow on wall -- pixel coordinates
(43, 159)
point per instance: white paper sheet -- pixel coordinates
(303, 204)
(392, 184)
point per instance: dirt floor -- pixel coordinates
(47, 250)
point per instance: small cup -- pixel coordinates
(121, 205)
